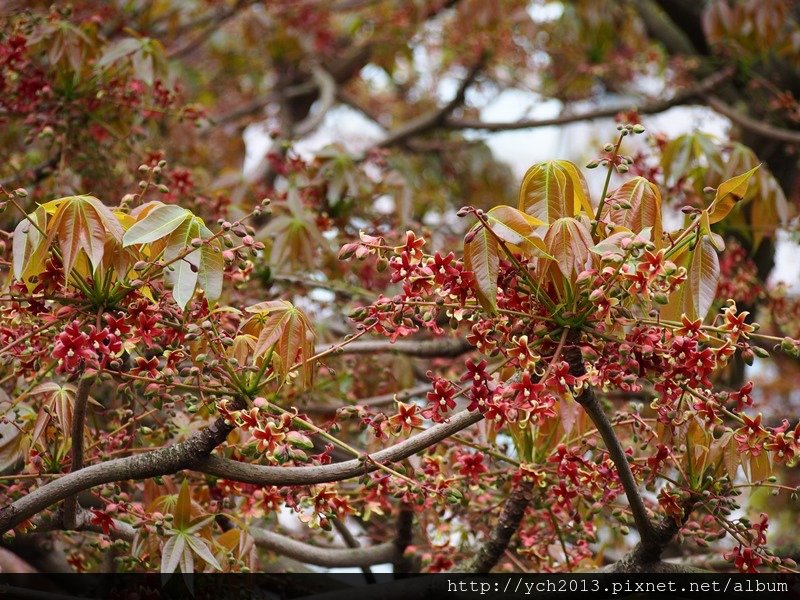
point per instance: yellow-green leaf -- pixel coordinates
(552, 190)
(728, 194)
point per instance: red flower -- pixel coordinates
(102, 520)
(471, 465)
(73, 346)
(745, 559)
(406, 418)
(440, 400)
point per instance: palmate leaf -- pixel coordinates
(81, 224)
(281, 325)
(183, 273)
(552, 190)
(481, 256)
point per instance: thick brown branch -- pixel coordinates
(443, 347)
(587, 399)
(505, 528)
(324, 557)
(165, 461)
(263, 475)
(656, 106)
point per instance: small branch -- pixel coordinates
(37, 172)
(71, 507)
(323, 557)
(505, 528)
(439, 348)
(215, 23)
(656, 106)
(753, 125)
(381, 400)
(435, 117)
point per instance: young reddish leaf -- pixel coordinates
(82, 223)
(280, 324)
(701, 284)
(644, 198)
(553, 190)
(481, 256)
(569, 242)
(728, 194)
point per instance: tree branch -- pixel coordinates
(441, 347)
(505, 528)
(351, 542)
(288, 476)
(71, 507)
(436, 117)
(327, 92)
(753, 125)
(587, 399)
(324, 557)
(142, 466)
(656, 106)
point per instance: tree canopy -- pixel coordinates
(391, 348)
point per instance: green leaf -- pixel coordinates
(28, 247)
(157, 224)
(728, 194)
(481, 256)
(211, 269)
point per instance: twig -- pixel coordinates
(587, 399)
(352, 542)
(443, 347)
